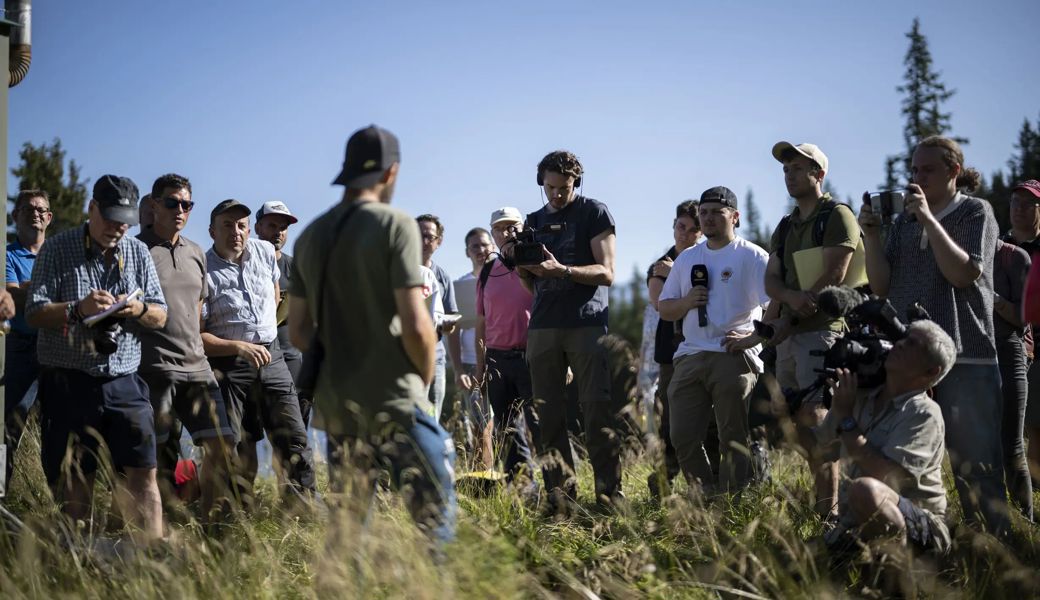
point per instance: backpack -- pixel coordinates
(819, 228)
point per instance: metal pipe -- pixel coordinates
(19, 11)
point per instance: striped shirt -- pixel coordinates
(966, 314)
(67, 268)
(241, 305)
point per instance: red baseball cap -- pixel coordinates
(1032, 186)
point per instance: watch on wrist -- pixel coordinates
(847, 424)
(567, 273)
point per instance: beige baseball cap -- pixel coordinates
(506, 213)
(810, 151)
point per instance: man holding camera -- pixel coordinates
(817, 221)
(240, 336)
(569, 316)
(363, 257)
(716, 289)
(891, 445)
(183, 388)
(89, 389)
(939, 252)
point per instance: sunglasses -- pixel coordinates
(172, 203)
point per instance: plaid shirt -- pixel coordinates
(67, 268)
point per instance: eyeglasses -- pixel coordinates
(40, 210)
(172, 203)
(430, 237)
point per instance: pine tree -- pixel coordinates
(752, 220)
(1025, 164)
(43, 167)
(627, 306)
(924, 97)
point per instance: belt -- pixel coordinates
(510, 353)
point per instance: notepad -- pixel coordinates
(118, 306)
(808, 266)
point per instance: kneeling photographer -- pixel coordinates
(89, 390)
(890, 440)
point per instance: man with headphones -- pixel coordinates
(568, 318)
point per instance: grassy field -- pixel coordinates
(760, 545)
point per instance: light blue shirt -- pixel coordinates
(19, 270)
(241, 302)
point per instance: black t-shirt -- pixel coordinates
(665, 341)
(563, 303)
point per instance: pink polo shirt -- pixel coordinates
(505, 305)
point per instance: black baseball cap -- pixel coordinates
(720, 195)
(226, 205)
(116, 198)
(370, 152)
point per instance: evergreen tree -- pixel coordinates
(924, 96)
(1025, 164)
(627, 306)
(43, 167)
(755, 230)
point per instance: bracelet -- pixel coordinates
(144, 310)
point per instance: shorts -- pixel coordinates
(194, 399)
(80, 413)
(923, 530)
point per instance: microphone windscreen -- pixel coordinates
(838, 301)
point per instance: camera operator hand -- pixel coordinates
(550, 267)
(95, 302)
(663, 267)
(917, 203)
(257, 355)
(844, 386)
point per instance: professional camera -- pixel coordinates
(874, 326)
(105, 335)
(527, 250)
(886, 205)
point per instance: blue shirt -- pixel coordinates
(241, 304)
(19, 270)
(67, 268)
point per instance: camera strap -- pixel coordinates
(340, 224)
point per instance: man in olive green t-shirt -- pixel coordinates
(357, 284)
(801, 327)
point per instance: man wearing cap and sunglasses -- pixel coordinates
(358, 300)
(183, 388)
(817, 221)
(87, 396)
(240, 335)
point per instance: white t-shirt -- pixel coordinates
(736, 294)
(432, 293)
(468, 337)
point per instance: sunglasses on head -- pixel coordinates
(172, 203)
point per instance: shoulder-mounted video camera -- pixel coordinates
(527, 250)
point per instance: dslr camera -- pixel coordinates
(105, 334)
(527, 250)
(886, 205)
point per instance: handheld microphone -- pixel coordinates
(699, 276)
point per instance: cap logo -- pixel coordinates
(124, 202)
(368, 164)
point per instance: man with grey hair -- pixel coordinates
(891, 443)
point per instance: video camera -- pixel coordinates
(527, 250)
(885, 205)
(874, 326)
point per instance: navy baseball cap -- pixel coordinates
(117, 197)
(720, 195)
(370, 152)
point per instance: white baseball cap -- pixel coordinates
(506, 213)
(275, 207)
(810, 151)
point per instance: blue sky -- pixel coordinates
(660, 100)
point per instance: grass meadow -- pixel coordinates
(762, 544)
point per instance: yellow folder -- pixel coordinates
(808, 265)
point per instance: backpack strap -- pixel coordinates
(783, 229)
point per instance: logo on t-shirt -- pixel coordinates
(726, 274)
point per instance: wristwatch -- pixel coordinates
(567, 273)
(847, 424)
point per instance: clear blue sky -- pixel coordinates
(660, 100)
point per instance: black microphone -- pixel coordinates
(838, 301)
(699, 276)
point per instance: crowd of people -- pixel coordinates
(126, 341)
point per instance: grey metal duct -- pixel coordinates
(19, 11)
